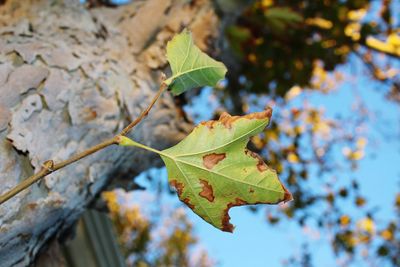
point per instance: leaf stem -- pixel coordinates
(125, 141)
(49, 167)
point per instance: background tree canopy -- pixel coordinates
(281, 53)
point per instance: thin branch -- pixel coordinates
(49, 167)
(144, 113)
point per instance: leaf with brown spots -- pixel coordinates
(212, 170)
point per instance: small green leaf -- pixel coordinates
(212, 170)
(190, 66)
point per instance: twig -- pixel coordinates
(49, 167)
(144, 113)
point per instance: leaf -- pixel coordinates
(283, 14)
(281, 17)
(190, 66)
(212, 170)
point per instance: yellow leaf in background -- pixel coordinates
(252, 58)
(328, 43)
(382, 46)
(361, 142)
(360, 201)
(367, 224)
(271, 135)
(352, 241)
(364, 238)
(293, 92)
(353, 30)
(357, 155)
(322, 128)
(258, 142)
(292, 158)
(357, 14)
(344, 49)
(112, 201)
(344, 220)
(353, 155)
(394, 39)
(299, 129)
(135, 219)
(387, 235)
(267, 3)
(381, 75)
(319, 22)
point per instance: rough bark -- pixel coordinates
(69, 78)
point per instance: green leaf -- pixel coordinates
(212, 170)
(284, 14)
(190, 66)
(281, 17)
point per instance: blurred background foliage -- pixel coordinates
(281, 44)
(162, 239)
(278, 50)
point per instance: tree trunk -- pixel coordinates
(69, 78)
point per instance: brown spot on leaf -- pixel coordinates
(207, 191)
(226, 225)
(178, 186)
(210, 160)
(261, 166)
(209, 124)
(227, 120)
(251, 190)
(186, 200)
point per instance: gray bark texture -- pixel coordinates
(71, 77)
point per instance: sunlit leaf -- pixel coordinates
(357, 15)
(344, 220)
(190, 66)
(319, 22)
(293, 158)
(387, 234)
(212, 170)
(366, 224)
